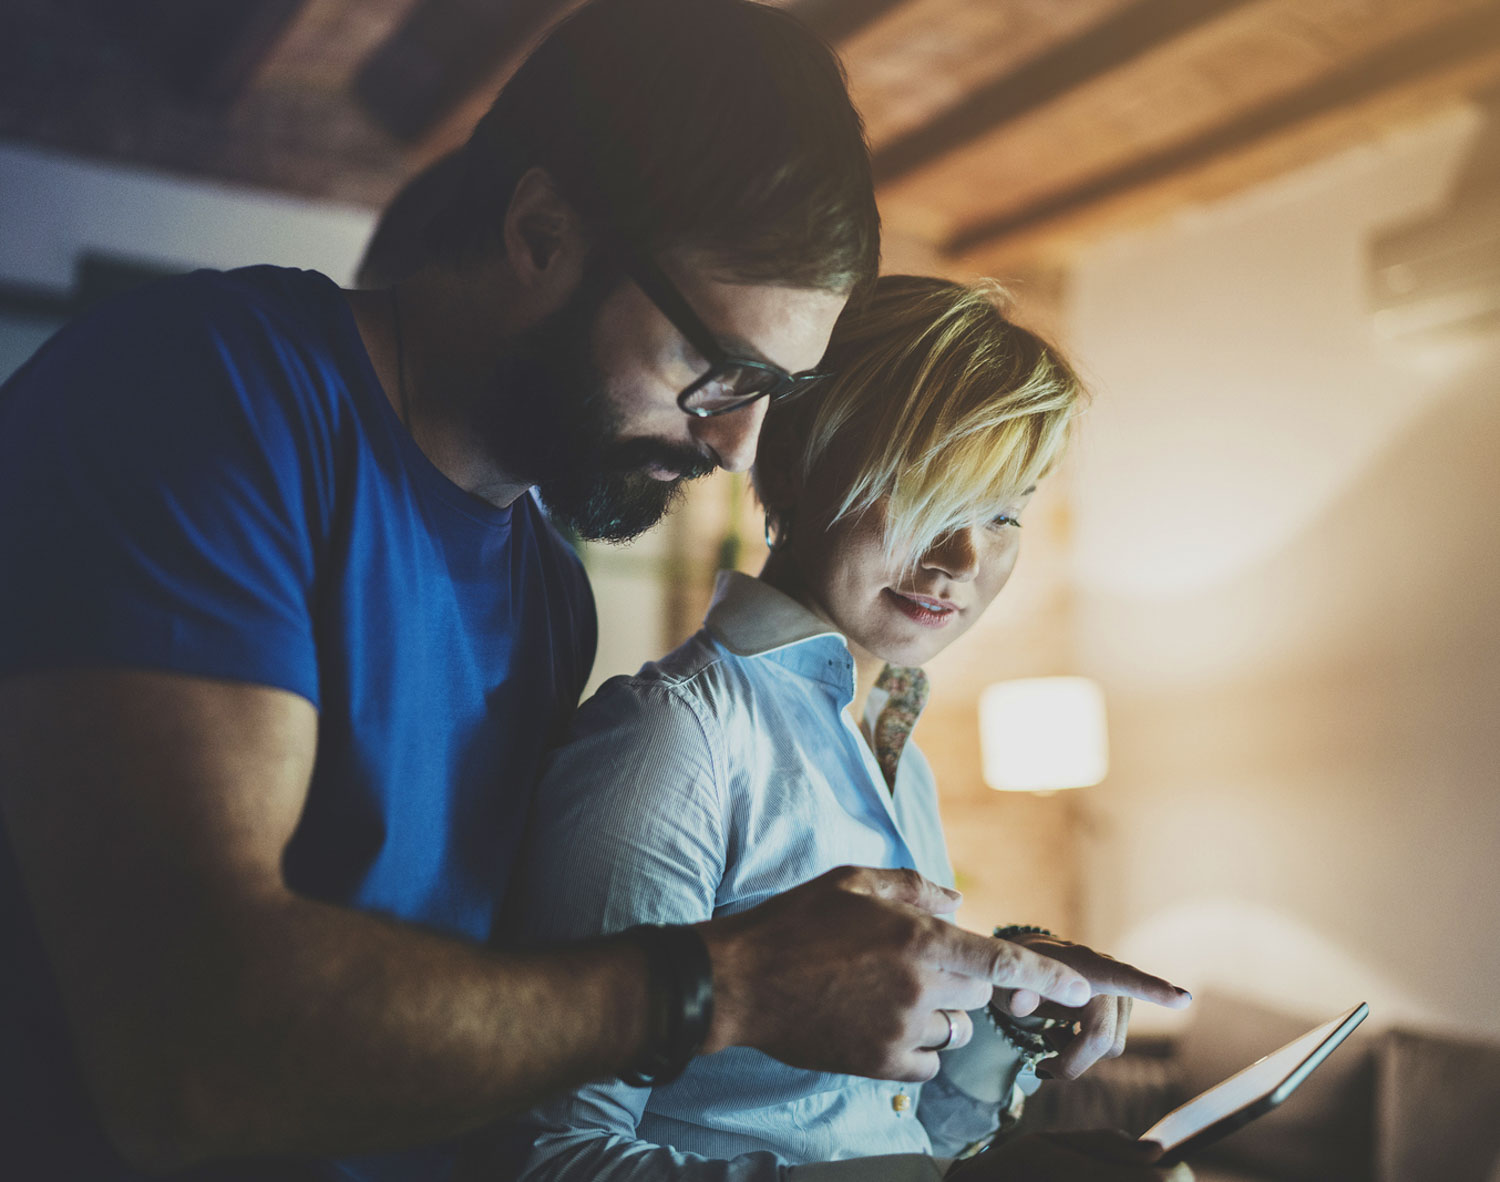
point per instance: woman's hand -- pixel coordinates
(1097, 1029)
(1070, 1157)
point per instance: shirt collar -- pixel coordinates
(751, 618)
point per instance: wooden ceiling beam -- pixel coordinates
(67, 83)
(442, 53)
(215, 56)
(206, 53)
(328, 42)
(1444, 48)
(833, 20)
(1116, 41)
(838, 20)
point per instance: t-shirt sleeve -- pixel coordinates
(162, 493)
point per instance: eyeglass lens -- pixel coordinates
(731, 384)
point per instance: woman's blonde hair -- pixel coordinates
(937, 401)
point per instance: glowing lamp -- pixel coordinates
(1043, 733)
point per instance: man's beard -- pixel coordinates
(553, 426)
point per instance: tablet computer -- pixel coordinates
(1251, 1092)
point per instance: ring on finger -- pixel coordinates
(948, 1038)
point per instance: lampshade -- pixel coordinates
(1044, 733)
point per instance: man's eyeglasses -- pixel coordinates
(731, 382)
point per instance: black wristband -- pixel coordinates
(680, 993)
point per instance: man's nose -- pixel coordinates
(731, 438)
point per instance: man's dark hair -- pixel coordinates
(723, 126)
(396, 247)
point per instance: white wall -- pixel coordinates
(1288, 549)
(54, 207)
(20, 337)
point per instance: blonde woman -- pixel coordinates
(773, 746)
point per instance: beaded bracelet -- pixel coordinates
(1031, 1043)
(1027, 1039)
(1011, 931)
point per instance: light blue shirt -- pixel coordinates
(724, 774)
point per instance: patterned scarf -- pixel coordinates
(908, 694)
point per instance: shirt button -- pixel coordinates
(900, 1102)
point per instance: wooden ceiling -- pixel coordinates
(1005, 132)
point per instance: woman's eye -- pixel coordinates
(1004, 520)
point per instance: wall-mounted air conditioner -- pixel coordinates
(1441, 273)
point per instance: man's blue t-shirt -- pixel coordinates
(206, 477)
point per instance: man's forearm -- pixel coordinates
(212, 1011)
(316, 1029)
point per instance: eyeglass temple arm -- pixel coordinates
(664, 295)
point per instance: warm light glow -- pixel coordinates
(1042, 734)
(1218, 944)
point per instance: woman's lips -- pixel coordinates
(930, 613)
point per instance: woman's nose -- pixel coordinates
(731, 438)
(956, 554)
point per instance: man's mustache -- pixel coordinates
(634, 455)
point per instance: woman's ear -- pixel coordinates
(776, 480)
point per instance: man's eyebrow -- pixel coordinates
(743, 348)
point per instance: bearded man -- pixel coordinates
(285, 631)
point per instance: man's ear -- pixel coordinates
(544, 240)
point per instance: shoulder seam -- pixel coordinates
(678, 690)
